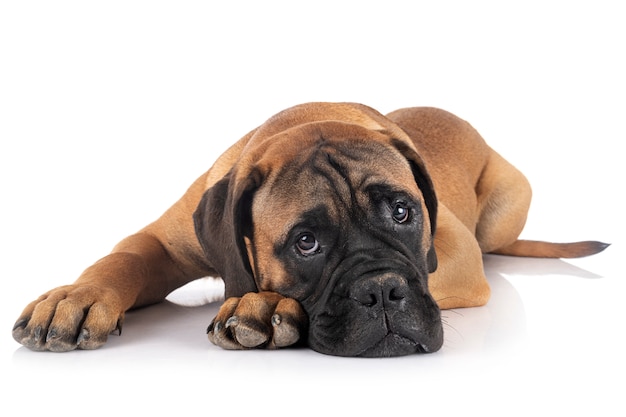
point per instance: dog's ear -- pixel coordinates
(222, 219)
(425, 184)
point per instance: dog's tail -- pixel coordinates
(540, 249)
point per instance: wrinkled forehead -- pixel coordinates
(333, 174)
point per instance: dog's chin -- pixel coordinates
(389, 345)
(392, 345)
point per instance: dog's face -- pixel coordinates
(339, 222)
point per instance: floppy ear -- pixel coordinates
(221, 220)
(425, 184)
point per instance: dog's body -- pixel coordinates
(330, 224)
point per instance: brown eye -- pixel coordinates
(307, 244)
(400, 212)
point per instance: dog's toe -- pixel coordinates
(249, 333)
(258, 320)
(285, 332)
(222, 336)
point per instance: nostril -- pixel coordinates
(365, 296)
(370, 300)
(396, 294)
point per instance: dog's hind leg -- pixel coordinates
(504, 195)
(459, 280)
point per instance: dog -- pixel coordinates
(333, 226)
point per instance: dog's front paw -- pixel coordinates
(258, 320)
(68, 318)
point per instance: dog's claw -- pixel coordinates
(83, 336)
(217, 327)
(37, 334)
(233, 321)
(118, 326)
(276, 319)
(52, 334)
(20, 324)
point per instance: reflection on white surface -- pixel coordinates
(180, 323)
(489, 353)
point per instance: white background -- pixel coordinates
(109, 110)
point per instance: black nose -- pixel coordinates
(380, 291)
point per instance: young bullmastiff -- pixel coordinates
(331, 225)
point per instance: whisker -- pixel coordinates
(447, 342)
(455, 312)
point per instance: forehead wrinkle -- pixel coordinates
(338, 182)
(381, 165)
(323, 173)
(290, 192)
(300, 186)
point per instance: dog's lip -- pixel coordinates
(388, 342)
(398, 343)
(389, 345)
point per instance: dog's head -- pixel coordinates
(341, 218)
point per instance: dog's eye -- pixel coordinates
(307, 244)
(400, 212)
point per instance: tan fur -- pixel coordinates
(483, 203)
